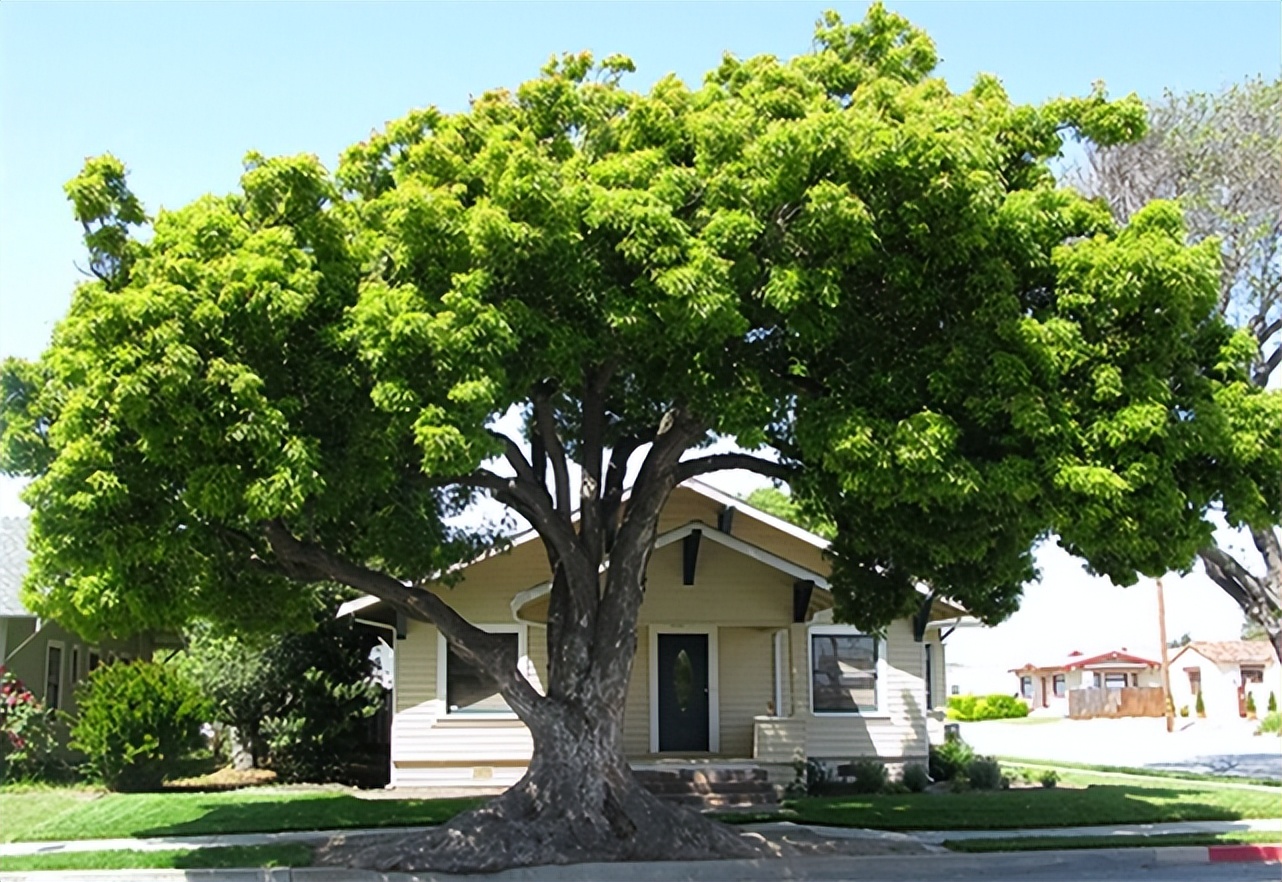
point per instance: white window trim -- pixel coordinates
(780, 659)
(882, 670)
(62, 668)
(442, 658)
(714, 684)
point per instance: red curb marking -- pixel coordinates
(1243, 853)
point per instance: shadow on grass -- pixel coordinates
(323, 812)
(1056, 807)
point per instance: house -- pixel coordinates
(1225, 673)
(1048, 685)
(738, 657)
(47, 658)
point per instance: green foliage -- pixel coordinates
(779, 503)
(1184, 710)
(984, 773)
(950, 759)
(1250, 704)
(1199, 705)
(1049, 778)
(868, 776)
(28, 742)
(1273, 702)
(835, 256)
(916, 778)
(969, 708)
(299, 702)
(1271, 724)
(137, 721)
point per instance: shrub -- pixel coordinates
(1184, 710)
(1250, 704)
(1273, 702)
(971, 708)
(1050, 777)
(984, 773)
(868, 776)
(916, 777)
(138, 721)
(1270, 725)
(27, 740)
(949, 759)
(1199, 705)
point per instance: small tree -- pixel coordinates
(1273, 702)
(137, 721)
(1199, 706)
(1250, 705)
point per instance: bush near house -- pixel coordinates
(949, 760)
(1270, 725)
(1273, 702)
(138, 720)
(27, 740)
(971, 708)
(1200, 705)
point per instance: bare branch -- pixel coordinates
(545, 423)
(306, 561)
(722, 461)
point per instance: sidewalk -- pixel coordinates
(930, 837)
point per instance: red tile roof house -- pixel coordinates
(1047, 686)
(1225, 672)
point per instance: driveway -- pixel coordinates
(1222, 748)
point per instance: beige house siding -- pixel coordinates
(743, 601)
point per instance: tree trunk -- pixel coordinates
(578, 802)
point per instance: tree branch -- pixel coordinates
(722, 461)
(545, 424)
(306, 561)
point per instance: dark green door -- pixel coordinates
(683, 692)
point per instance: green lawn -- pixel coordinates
(1143, 772)
(67, 814)
(1052, 843)
(212, 858)
(1081, 800)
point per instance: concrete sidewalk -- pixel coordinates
(930, 837)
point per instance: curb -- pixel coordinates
(906, 867)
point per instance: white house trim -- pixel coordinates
(62, 667)
(442, 657)
(714, 685)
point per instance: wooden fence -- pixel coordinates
(1132, 701)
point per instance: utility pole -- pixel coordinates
(1167, 701)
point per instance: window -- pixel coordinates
(1026, 687)
(1195, 679)
(843, 671)
(1115, 681)
(1060, 685)
(1252, 674)
(53, 674)
(954, 690)
(1135, 679)
(94, 660)
(1097, 681)
(465, 688)
(75, 663)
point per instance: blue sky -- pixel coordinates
(180, 91)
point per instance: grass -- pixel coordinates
(199, 858)
(1145, 772)
(1082, 799)
(37, 815)
(1160, 840)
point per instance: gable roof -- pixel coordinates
(13, 565)
(1077, 660)
(1231, 652)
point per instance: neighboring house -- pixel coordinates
(47, 658)
(1225, 672)
(1047, 686)
(737, 657)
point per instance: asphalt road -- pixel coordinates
(1228, 748)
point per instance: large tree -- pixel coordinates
(834, 258)
(1220, 156)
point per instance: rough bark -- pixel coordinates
(1260, 597)
(578, 802)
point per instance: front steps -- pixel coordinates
(711, 788)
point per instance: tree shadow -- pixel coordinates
(225, 815)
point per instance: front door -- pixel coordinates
(683, 692)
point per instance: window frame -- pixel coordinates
(442, 672)
(1126, 679)
(880, 669)
(62, 668)
(1059, 685)
(1256, 671)
(1027, 688)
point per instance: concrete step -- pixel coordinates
(702, 775)
(661, 788)
(708, 801)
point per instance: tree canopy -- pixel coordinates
(833, 255)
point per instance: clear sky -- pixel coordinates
(180, 91)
